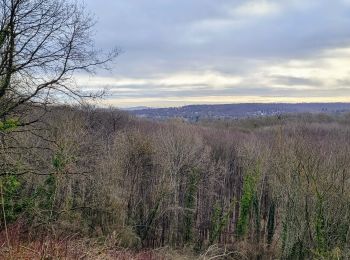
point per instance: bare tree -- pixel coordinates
(42, 44)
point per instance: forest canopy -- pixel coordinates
(89, 182)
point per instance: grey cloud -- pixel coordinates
(162, 37)
(154, 91)
(295, 81)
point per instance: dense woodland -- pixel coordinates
(78, 182)
(245, 189)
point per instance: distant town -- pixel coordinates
(236, 111)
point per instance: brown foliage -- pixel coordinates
(278, 190)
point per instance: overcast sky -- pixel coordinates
(179, 52)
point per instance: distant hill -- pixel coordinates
(195, 112)
(135, 108)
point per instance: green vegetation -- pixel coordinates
(247, 200)
(9, 124)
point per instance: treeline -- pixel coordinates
(273, 187)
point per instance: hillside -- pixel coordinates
(103, 181)
(233, 111)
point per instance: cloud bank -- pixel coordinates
(203, 51)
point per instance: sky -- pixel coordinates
(181, 52)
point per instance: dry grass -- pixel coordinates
(53, 249)
(24, 246)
